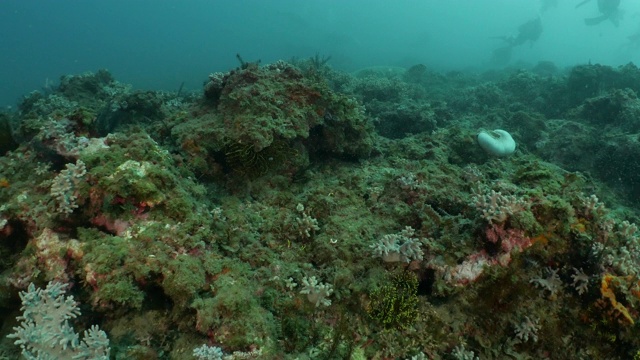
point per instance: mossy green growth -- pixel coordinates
(234, 313)
(534, 174)
(121, 291)
(297, 331)
(84, 117)
(395, 304)
(135, 175)
(184, 276)
(110, 267)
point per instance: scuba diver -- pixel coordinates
(529, 32)
(609, 10)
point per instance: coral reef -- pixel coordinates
(291, 211)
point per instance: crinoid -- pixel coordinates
(244, 160)
(395, 304)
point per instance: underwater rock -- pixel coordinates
(7, 142)
(261, 119)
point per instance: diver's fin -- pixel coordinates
(506, 39)
(595, 20)
(509, 40)
(615, 18)
(582, 3)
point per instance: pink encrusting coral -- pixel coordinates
(510, 241)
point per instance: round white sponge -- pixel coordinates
(497, 142)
